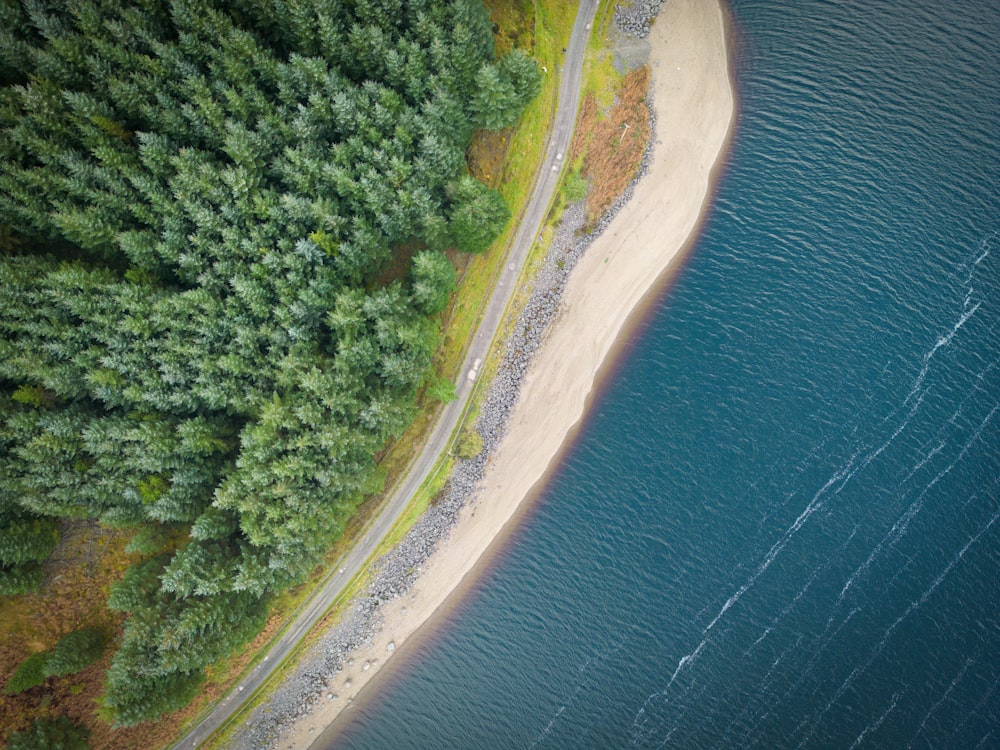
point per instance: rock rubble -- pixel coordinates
(396, 572)
(636, 17)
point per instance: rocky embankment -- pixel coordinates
(396, 571)
(635, 18)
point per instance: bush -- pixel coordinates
(74, 652)
(441, 389)
(470, 444)
(30, 674)
(575, 188)
(54, 734)
(20, 579)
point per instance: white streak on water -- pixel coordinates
(587, 666)
(914, 605)
(753, 703)
(639, 720)
(841, 476)
(923, 462)
(802, 464)
(902, 426)
(946, 338)
(812, 579)
(875, 724)
(902, 524)
(781, 657)
(552, 722)
(940, 701)
(833, 486)
(893, 536)
(986, 700)
(825, 639)
(984, 247)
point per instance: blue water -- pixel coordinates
(781, 525)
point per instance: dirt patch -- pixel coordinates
(513, 24)
(487, 153)
(612, 143)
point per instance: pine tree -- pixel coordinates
(504, 88)
(50, 734)
(31, 673)
(477, 215)
(75, 651)
(433, 280)
(135, 693)
(20, 579)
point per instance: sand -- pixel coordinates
(634, 257)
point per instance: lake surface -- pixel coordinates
(781, 525)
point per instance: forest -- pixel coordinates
(200, 339)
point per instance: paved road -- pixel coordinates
(528, 230)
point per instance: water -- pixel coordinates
(781, 526)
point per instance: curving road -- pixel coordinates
(353, 562)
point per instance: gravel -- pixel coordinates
(396, 572)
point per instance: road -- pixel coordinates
(353, 562)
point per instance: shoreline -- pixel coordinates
(625, 268)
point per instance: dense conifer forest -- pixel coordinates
(198, 201)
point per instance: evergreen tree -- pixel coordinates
(30, 674)
(133, 695)
(20, 579)
(50, 734)
(477, 216)
(24, 539)
(75, 651)
(433, 281)
(504, 88)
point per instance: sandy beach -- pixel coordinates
(694, 107)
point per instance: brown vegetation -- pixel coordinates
(79, 574)
(612, 142)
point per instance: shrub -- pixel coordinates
(470, 444)
(20, 579)
(75, 651)
(52, 734)
(441, 389)
(575, 188)
(30, 674)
